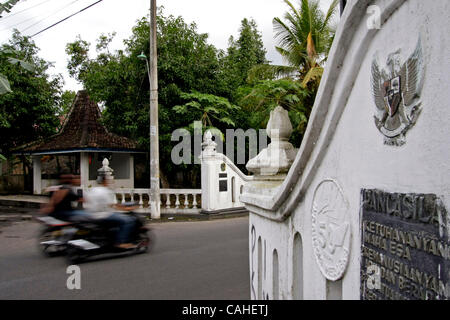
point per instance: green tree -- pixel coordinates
(186, 62)
(4, 83)
(65, 102)
(28, 113)
(305, 37)
(259, 100)
(244, 53)
(211, 110)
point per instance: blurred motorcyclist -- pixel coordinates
(100, 202)
(60, 204)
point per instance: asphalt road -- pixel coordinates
(206, 260)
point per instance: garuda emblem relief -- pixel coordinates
(396, 91)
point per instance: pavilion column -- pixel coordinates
(84, 170)
(37, 175)
(131, 170)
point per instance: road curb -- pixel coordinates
(168, 218)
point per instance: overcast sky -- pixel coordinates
(219, 18)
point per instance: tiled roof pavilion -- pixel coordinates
(83, 134)
(82, 131)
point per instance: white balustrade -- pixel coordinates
(179, 206)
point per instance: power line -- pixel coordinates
(14, 14)
(66, 18)
(22, 22)
(57, 11)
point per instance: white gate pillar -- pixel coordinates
(209, 173)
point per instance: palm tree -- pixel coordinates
(304, 40)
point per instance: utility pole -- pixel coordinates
(154, 127)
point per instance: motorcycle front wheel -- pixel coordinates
(47, 249)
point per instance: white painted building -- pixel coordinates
(378, 139)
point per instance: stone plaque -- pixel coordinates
(405, 247)
(223, 185)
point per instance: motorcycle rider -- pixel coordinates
(60, 204)
(100, 202)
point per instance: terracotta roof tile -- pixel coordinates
(82, 130)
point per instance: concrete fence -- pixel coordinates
(172, 201)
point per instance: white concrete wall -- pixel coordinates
(123, 166)
(49, 183)
(344, 146)
(211, 170)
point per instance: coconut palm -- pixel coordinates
(304, 39)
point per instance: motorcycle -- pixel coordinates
(83, 239)
(94, 238)
(54, 235)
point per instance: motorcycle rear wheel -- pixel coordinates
(75, 255)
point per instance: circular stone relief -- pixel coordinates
(330, 230)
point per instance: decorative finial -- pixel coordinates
(209, 146)
(105, 170)
(275, 161)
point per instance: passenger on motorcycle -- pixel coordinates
(62, 198)
(100, 204)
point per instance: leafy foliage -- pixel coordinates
(242, 55)
(28, 113)
(305, 37)
(266, 95)
(4, 85)
(195, 80)
(65, 102)
(7, 6)
(207, 108)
